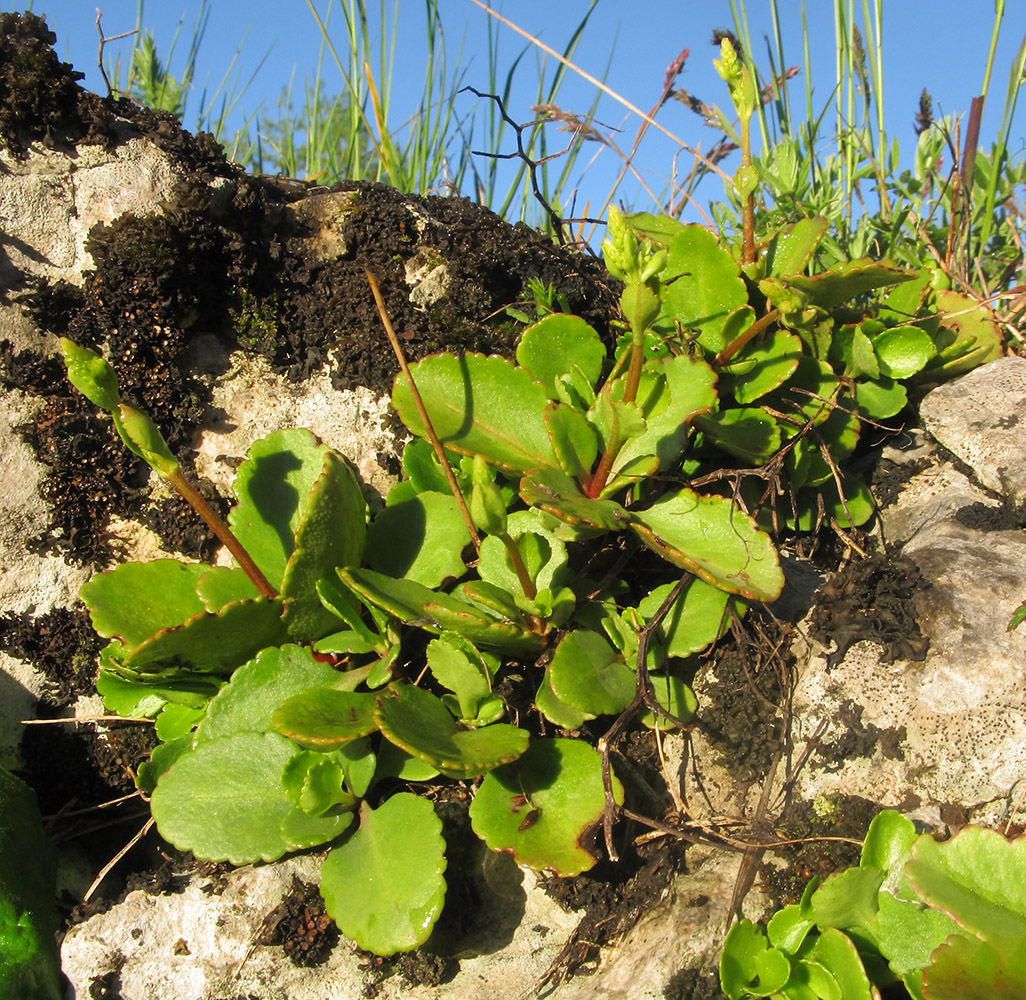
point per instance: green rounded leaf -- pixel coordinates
(574, 440)
(708, 285)
(902, 351)
(558, 712)
(384, 886)
(300, 831)
(272, 486)
(675, 697)
(256, 689)
(836, 952)
(978, 878)
(420, 539)
(479, 405)
(224, 801)
(214, 644)
(771, 363)
(314, 783)
(588, 674)
(558, 344)
(417, 722)
(881, 399)
(330, 533)
(747, 432)
(696, 619)
(542, 808)
(137, 600)
(749, 966)
(324, 719)
(711, 537)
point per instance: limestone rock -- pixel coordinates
(979, 419)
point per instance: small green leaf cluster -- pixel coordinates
(947, 920)
(806, 353)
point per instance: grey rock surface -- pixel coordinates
(980, 419)
(946, 735)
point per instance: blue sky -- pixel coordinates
(939, 44)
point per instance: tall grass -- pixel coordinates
(146, 76)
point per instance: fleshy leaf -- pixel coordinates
(845, 281)
(137, 600)
(300, 831)
(544, 555)
(436, 612)
(673, 695)
(420, 539)
(461, 668)
(969, 336)
(766, 366)
(689, 387)
(224, 801)
(419, 723)
(272, 486)
(977, 877)
(557, 712)
(968, 967)
(384, 886)
(712, 538)
(541, 808)
(881, 399)
(247, 702)
(747, 432)
(214, 644)
(749, 966)
(553, 491)
(695, 620)
(903, 351)
(324, 719)
(330, 533)
(480, 405)
(790, 249)
(221, 585)
(837, 952)
(314, 783)
(422, 468)
(557, 345)
(588, 674)
(708, 285)
(574, 439)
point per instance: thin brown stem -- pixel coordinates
(418, 400)
(223, 533)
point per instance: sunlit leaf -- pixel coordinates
(384, 886)
(541, 807)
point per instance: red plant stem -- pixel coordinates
(526, 583)
(450, 476)
(630, 389)
(739, 341)
(748, 212)
(223, 533)
(598, 480)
